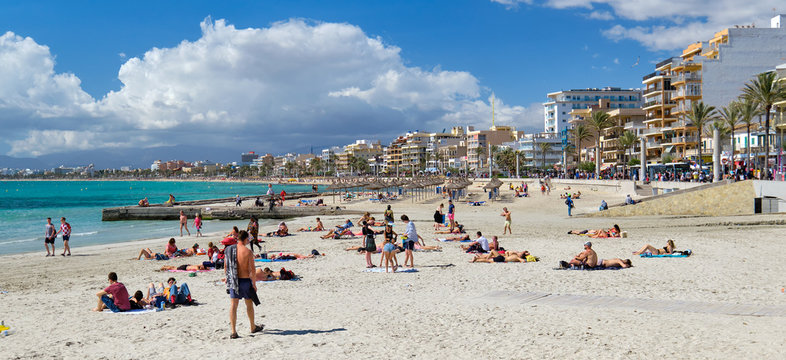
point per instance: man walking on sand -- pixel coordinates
(569, 203)
(183, 223)
(240, 275)
(506, 214)
(65, 228)
(50, 234)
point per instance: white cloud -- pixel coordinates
(601, 15)
(269, 89)
(510, 4)
(616, 61)
(679, 23)
(122, 55)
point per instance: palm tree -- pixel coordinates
(627, 140)
(479, 151)
(439, 158)
(492, 149)
(580, 133)
(766, 90)
(731, 118)
(544, 147)
(749, 109)
(599, 121)
(700, 116)
(316, 165)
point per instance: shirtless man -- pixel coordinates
(456, 238)
(588, 257)
(183, 223)
(246, 286)
(506, 214)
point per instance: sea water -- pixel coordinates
(25, 205)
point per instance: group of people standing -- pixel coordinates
(51, 233)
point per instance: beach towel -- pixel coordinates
(268, 260)
(647, 255)
(446, 240)
(190, 271)
(589, 268)
(381, 270)
(296, 278)
(130, 312)
(230, 262)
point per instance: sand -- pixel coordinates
(450, 309)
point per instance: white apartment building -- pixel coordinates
(556, 110)
(531, 152)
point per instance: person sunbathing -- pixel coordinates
(188, 252)
(137, 301)
(149, 254)
(609, 263)
(337, 233)
(501, 256)
(419, 247)
(318, 227)
(599, 233)
(183, 267)
(668, 249)
(269, 275)
(366, 217)
(373, 222)
(459, 229)
(456, 238)
(292, 256)
(588, 258)
(144, 203)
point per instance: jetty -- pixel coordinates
(223, 209)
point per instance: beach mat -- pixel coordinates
(297, 278)
(381, 270)
(276, 260)
(679, 254)
(130, 312)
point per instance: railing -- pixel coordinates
(688, 77)
(664, 62)
(652, 75)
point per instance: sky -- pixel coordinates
(286, 76)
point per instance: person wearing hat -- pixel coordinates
(587, 258)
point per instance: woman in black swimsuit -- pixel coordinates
(668, 249)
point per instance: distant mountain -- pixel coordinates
(117, 157)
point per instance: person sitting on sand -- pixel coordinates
(577, 195)
(282, 230)
(184, 267)
(668, 249)
(171, 201)
(481, 245)
(144, 203)
(318, 227)
(464, 237)
(114, 297)
(587, 258)
(494, 245)
(365, 218)
(171, 248)
(614, 263)
(259, 203)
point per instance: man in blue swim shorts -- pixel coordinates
(240, 272)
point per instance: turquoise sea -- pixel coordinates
(25, 205)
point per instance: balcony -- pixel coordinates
(655, 103)
(652, 90)
(664, 62)
(652, 75)
(683, 77)
(683, 92)
(650, 131)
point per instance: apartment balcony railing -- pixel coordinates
(688, 77)
(682, 92)
(658, 102)
(650, 131)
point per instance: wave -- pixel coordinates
(19, 241)
(85, 233)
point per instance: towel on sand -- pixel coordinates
(381, 269)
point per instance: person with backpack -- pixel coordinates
(569, 203)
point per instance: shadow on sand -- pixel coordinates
(301, 332)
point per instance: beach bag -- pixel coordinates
(567, 201)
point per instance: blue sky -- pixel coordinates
(184, 72)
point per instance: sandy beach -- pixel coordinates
(449, 309)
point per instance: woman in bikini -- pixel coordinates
(668, 249)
